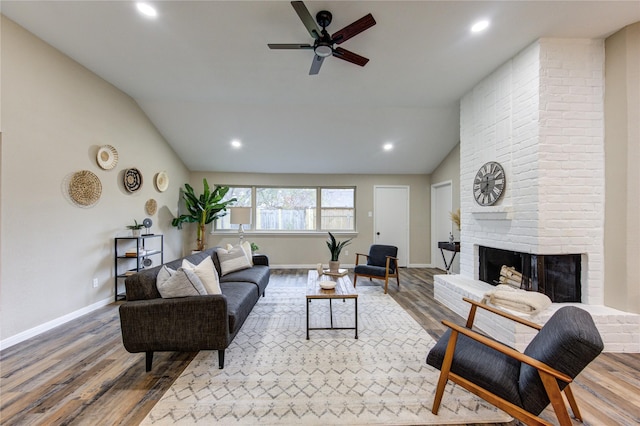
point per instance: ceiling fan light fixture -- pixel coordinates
(323, 50)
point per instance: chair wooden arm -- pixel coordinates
(475, 304)
(360, 254)
(540, 366)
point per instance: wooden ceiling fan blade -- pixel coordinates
(353, 29)
(306, 18)
(348, 56)
(289, 46)
(316, 64)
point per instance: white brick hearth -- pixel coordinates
(540, 115)
(619, 330)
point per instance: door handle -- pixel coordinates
(377, 233)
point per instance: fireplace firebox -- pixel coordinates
(557, 276)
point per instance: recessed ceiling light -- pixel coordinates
(236, 143)
(147, 10)
(387, 146)
(480, 26)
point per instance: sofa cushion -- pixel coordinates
(258, 274)
(241, 296)
(179, 283)
(207, 274)
(232, 260)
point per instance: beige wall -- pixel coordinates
(449, 170)
(622, 175)
(304, 250)
(55, 115)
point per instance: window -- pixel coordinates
(286, 209)
(293, 209)
(243, 195)
(337, 209)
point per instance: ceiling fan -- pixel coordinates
(324, 43)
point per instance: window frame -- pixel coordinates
(318, 211)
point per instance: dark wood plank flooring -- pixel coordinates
(80, 374)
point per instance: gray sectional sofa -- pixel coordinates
(150, 323)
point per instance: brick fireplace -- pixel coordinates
(540, 116)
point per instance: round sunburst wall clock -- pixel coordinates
(489, 183)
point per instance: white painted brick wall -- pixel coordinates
(541, 116)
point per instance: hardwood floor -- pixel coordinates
(80, 374)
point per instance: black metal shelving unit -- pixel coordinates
(146, 246)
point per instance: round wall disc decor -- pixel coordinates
(151, 206)
(85, 188)
(132, 179)
(107, 157)
(162, 181)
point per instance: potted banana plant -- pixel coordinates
(203, 209)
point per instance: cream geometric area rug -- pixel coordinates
(273, 375)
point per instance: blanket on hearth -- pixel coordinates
(529, 302)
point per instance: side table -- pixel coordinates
(449, 246)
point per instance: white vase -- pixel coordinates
(135, 233)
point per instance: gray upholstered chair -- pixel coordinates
(522, 384)
(382, 264)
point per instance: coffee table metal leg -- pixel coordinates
(356, 309)
(331, 312)
(308, 301)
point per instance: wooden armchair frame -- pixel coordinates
(548, 374)
(387, 274)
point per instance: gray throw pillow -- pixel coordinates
(179, 283)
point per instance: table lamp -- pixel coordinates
(240, 216)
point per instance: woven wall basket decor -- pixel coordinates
(85, 188)
(151, 206)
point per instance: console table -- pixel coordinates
(449, 246)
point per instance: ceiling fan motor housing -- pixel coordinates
(323, 18)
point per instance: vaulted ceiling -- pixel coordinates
(202, 72)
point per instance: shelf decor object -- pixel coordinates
(85, 188)
(132, 179)
(162, 181)
(147, 222)
(107, 157)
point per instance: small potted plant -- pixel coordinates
(254, 247)
(335, 247)
(135, 228)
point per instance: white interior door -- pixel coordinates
(441, 225)
(391, 219)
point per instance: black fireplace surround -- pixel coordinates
(557, 276)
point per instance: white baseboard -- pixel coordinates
(342, 265)
(27, 334)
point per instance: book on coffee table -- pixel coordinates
(340, 273)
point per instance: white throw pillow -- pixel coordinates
(246, 246)
(232, 260)
(180, 283)
(207, 274)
